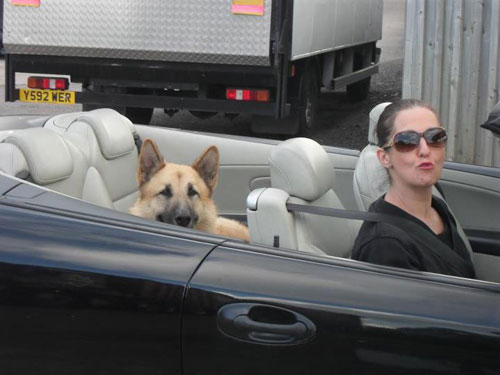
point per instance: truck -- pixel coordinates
(267, 58)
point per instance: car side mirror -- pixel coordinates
(493, 121)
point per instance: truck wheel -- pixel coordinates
(359, 91)
(308, 101)
(139, 115)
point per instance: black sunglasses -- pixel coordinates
(409, 140)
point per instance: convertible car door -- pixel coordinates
(252, 310)
(82, 294)
(473, 192)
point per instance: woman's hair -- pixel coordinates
(385, 124)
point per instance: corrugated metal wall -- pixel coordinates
(452, 58)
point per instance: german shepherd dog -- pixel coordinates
(182, 194)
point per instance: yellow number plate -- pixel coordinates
(47, 96)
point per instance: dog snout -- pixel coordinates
(183, 220)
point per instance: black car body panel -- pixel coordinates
(79, 296)
(366, 322)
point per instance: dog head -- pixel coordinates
(173, 193)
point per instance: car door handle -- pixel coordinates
(264, 324)
(245, 322)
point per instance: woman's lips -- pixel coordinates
(426, 165)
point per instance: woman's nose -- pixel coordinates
(423, 147)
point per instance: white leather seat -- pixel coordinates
(46, 158)
(371, 180)
(302, 173)
(106, 139)
(91, 156)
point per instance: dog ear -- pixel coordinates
(150, 161)
(207, 166)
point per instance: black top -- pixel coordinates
(387, 244)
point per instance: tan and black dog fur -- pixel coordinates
(182, 194)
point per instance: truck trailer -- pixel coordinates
(268, 58)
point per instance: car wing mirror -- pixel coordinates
(493, 121)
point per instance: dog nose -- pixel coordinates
(183, 220)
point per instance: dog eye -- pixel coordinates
(167, 192)
(191, 191)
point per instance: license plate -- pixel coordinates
(47, 96)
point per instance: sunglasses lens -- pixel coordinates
(406, 141)
(435, 137)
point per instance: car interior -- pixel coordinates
(93, 156)
(302, 173)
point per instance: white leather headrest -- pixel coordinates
(371, 179)
(46, 153)
(374, 115)
(302, 168)
(112, 130)
(12, 161)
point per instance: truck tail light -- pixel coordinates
(48, 83)
(247, 95)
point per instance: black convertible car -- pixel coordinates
(86, 288)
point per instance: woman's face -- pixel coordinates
(420, 167)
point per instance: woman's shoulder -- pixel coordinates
(378, 205)
(442, 207)
(385, 243)
(371, 231)
(374, 236)
(439, 202)
(381, 229)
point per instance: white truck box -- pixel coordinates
(321, 26)
(190, 31)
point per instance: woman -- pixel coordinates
(412, 149)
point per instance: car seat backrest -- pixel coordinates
(12, 160)
(41, 152)
(302, 173)
(371, 180)
(106, 138)
(46, 158)
(91, 156)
